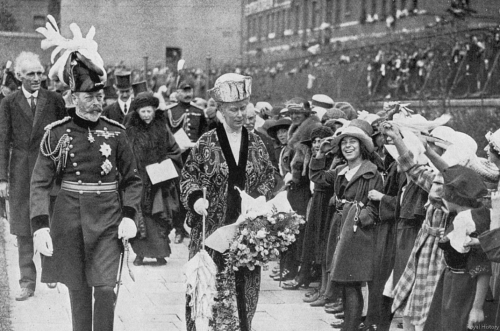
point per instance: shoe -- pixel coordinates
(25, 294)
(337, 324)
(51, 285)
(294, 285)
(161, 261)
(312, 298)
(285, 275)
(321, 302)
(334, 309)
(339, 315)
(179, 238)
(138, 260)
(372, 327)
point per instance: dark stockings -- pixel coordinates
(353, 306)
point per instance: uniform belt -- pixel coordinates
(89, 187)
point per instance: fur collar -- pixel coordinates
(296, 134)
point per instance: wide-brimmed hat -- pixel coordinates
(463, 186)
(144, 99)
(494, 140)
(358, 129)
(282, 123)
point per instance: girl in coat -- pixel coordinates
(356, 215)
(153, 142)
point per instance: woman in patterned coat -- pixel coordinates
(223, 159)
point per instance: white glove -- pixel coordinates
(42, 242)
(201, 206)
(127, 229)
(288, 178)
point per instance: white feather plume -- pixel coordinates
(85, 46)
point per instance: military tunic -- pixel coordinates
(193, 122)
(84, 226)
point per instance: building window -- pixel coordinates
(38, 21)
(329, 11)
(337, 11)
(314, 15)
(347, 8)
(297, 18)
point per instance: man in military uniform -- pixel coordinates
(86, 154)
(187, 116)
(119, 110)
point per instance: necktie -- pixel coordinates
(125, 109)
(33, 105)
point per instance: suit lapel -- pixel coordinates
(40, 106)
(24, 106)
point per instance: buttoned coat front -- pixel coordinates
(20, 136)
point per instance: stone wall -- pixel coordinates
(13, 43)
(128, 30)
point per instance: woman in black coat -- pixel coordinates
(152, 143)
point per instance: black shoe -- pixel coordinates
(161, 261)
(334, 309)
(337, 324)
(51, 285)
(25, 294)
(138, 260)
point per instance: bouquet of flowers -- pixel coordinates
(264, 231)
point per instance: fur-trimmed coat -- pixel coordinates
(295, 160)
(154, 143)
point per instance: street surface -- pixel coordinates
(155, 301)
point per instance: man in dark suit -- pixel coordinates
(23, 116)
(119, 110)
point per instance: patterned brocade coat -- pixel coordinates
(211, 164)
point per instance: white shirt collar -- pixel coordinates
(28, 95)
(349, 173)
(122, 104)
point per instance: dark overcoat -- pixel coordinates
(20, 136)
(354, 254)
(114, 112)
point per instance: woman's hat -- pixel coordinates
(494, 140)
(282, 123)
(334, 113)
(358, 129)
(231, 88)
(320, 132)
(463, 186)
(144, 99)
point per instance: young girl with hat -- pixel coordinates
(350, 258)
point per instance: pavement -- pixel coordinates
(155, 301)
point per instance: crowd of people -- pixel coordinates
(402, 215)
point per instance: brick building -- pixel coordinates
(282, 29)
(128, 30)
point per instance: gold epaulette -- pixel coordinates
(172, 105)
(110, 121)
(195, 105)
(57, 123)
